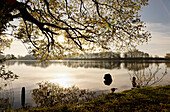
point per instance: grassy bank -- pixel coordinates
(139, 99)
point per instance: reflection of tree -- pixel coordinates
(6, 90)
(102, 64)
(134, 66)
(28, 63)
(50, 94)
(107, 64)
(147, 77)
(10, 63)
(72, 63)
(34, 64)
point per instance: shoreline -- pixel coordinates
(138, 99)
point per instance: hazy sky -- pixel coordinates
(157, 18)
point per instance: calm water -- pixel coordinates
(84, 74)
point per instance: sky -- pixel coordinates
(157, 18)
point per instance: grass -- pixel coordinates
(146, 99)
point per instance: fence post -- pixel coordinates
(23, 97)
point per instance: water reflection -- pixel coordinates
(28, 63)
(102, 64)
(136, 66)
(6, 90)
(86, 74)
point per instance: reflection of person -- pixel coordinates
(108, 79)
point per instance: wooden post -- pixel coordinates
(23, 97)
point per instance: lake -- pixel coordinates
(85, 74)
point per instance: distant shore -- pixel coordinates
(124, 59)
(110, 59)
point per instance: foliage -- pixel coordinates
(150, 99)
(52, 28)
(5, 79)
(50, 94)
(9, 75)
(4, 104)
(5, 17)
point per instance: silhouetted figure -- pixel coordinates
(134, 82)
(113, 89)
(108, 79)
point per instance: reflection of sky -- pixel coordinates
(84, 78)
(91, 78)
(63, 79)
(157, 17)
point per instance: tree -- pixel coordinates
(147, 76)
(84, 25)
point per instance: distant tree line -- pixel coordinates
(26, 57)
(6, 57)
(94, 55)
(136, 54)
(109, 55)
(167, 56)
(100, 55)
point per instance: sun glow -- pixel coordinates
(63, 80)
(60, 38)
